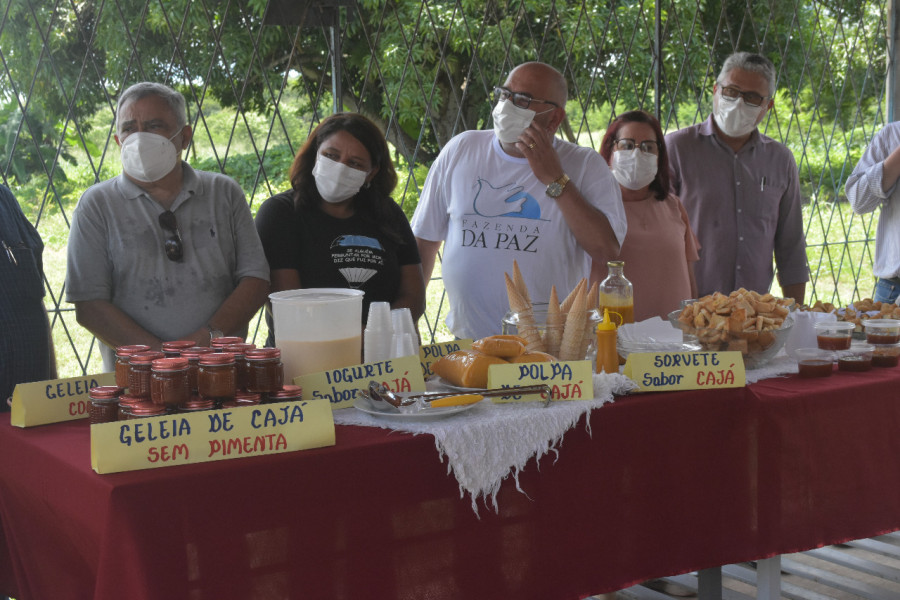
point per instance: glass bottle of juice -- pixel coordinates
(617, 294)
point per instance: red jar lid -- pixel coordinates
(145, 358)
(246, 398)
(170, 364)
(196, 352)
(103, 392)
(177, 345)
(148, 409)
(226, 341)
(287, 392)
(127, 400)
(197, 403)
(239, 348)
(263, 353)
(129, 350)
(217, 358)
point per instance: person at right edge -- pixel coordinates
(871, 185)
(741, 188)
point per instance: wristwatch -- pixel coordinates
(214, 333)
(555, 189)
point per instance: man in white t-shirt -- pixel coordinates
(516, 193)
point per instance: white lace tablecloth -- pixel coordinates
(485, 445)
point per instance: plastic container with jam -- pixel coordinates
(856, 359)
(886, 355)
(104, 403)
(288, 393)
(265, 373)
(882, 331)
(216, 376)
(814, 362)
(173, 349)
(169, 384)
(123, 368)
(834, 335)
(139, 377)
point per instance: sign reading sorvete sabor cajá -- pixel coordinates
(668, 371)
(212, 435)
(56, 400)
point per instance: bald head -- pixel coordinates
(540, 80)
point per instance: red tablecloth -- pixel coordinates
(664, 483)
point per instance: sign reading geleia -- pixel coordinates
(56, 400)
(211, 435)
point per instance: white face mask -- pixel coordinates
(633, 169)
(336, 181)
(510, 121)
(148, 156)
(734, 117)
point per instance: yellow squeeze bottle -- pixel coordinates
(607, 355)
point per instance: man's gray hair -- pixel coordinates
(748, 61)
(148, 88)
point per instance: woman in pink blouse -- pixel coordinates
(660, 247)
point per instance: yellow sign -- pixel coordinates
(430, 354)
(211, 435)
(56, 400)
(339, 386)
(666, 371)
(569, 380)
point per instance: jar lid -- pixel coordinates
(288, 387)
(196, 351)
(263, 353)
(145, 358)
(225, 341)
(245, 398)
(170, 364)
(217, 358)
(128, 400)
(178, 345)
(148, 409)
(102, 392)
(239, 348)
(129, 350)
(295, 392)
(197, 403)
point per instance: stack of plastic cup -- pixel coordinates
(378, 338)
(406, 339)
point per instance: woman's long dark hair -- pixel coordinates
(372, 202)
(660, 184)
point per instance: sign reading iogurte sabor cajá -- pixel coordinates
(56, 400)
(339, 386)
(569, 380)
(667, 371)
(430, 354)
(211, 435)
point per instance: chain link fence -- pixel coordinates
(258, 76)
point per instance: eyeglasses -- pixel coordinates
(174, 246)
(627, 144)
(750, 98)
(520, 99)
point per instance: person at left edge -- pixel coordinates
(338, 226)
(162, 252)
(26, 350)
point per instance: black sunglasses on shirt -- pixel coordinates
(174, 246)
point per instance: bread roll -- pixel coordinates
(466, 368)
(504, 346)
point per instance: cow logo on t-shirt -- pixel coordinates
(358, 257)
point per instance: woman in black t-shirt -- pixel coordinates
(338, 226)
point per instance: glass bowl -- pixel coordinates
(757, 347)
(510, 326)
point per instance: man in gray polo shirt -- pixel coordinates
(162, 252)
(741, 188)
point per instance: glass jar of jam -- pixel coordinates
(148, 409)
(265, 372)
(219, 344)
(193, 356)
(139, 377)
(216, 376)
(104, 403)
(289, 393)
(173, 349)
(123, 369)
(196, 404)
(169, 383)
(126, 402)
(240, 363)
